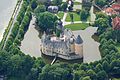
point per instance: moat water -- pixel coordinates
(6, 10)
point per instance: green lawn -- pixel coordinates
(78, 26)
(116, 79)
(76, 17)
(77, 3)
(60, 14)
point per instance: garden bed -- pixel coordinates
(76, 17)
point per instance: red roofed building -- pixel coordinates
(114, 9)
(116, 23)
(117, 1)
(110, 11)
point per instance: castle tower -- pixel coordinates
(79, 46)
(72, 45)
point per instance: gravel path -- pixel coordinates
(64, 17)
(91, 51)
(92, 15)
(31, 43)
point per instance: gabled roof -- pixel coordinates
(116, 23)
(79, 40)
(114, 9)
(116, 6)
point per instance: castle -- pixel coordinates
(66, 46)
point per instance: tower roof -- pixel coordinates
(79, 40)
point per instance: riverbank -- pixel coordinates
(5, 14)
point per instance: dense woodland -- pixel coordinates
(15, 65)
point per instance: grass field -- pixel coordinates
(77, 3)
(76, 17)
(116, 79)
(60, 14)
(78, 26)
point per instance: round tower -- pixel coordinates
(72, 45)
(79, 46)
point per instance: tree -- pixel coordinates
(101, 15)
(55, 72)
(78, 74)
(46, 21)
(39, 9)
(64, 6)
(39, 63)
(16, 66)
(102, 75)
(83, 66)
(115, 67)
(57, 2)
(71, 17)
(101, 3)
(33, 74)
(102, 24)
(84, 14)
(87, 78)
(33, 4)
(21, 34)
(106, 66)
(98, 67)
(92, 74)
(15, 29)
(27, 64)
(5, 63)
(8, 43)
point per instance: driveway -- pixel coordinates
(91, 51)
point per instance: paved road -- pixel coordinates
(92, 15)
(91, 51)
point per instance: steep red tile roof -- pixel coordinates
(110, 11)
(114, 9)
(116, 6)
(116, 23)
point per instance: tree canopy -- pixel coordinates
(46, 20)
